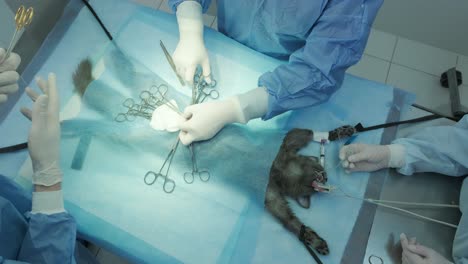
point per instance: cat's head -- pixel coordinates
(315, 173)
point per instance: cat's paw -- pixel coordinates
(315, 241)
(341, 132)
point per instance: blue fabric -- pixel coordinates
(114, 207)
(321, 39)
(39, 238)
(232, 202)
(460, 241)
(49, 239)
(440, 149)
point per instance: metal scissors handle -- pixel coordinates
(171, 62)
(23, 17)
(212, 93)
(122, 117)
(189, 177)
(167, 161)
(168, 185)
(130, 104)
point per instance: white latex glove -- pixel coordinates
(207, 119)
(190, 51)
(8, 75)
(364, 157)
(44, 136)
(414, 253)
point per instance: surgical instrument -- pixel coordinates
(149, 101)
(171, 62)
(322, 152)
(155, 175)
(122, 117)
(189, 177)
(159, 95)
(207, 92)
(199, 85)
(23, 17)
(133, 111)
(374, 257)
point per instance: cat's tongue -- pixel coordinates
(319, 187)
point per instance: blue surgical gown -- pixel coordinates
(320, 38)
(36, 238)
(443, 149)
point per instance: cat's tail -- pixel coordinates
(83, 76)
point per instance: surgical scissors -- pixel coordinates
(23, 17)
(122, 117)
(171, 62)
(155, 175)
(189, 177)
(134, 110)
(207, 92)
(159, 95)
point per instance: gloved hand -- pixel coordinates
(8, 75)
(44, 136)
(190, 51)
(205, 120)
(364, 157)
(414, 253)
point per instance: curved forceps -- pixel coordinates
(189, 177)
(159, 96)
(23, 17)
(207, 92)
(151, 176)
(122, 117)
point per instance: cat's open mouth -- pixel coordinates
(320, 187)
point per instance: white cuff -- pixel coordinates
(319, 136)
(253, 104)
(48, 176)
(397, 156)
(47, 202)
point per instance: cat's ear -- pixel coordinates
(304, 201)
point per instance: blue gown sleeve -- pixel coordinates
(315, 71)
(460, 241)
(7, 261)
(173, 4)
(440, 149)
(49, 239)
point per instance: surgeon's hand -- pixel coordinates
(44, 136)
(414, 253)
(190, 51)
(8, 75)
(205, 120)
(364, 157)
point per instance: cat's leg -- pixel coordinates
(341, 132)
(297, 139)
(277, 205)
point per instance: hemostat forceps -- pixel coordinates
(207, 92)
(151, 176)
(157, 96)
(133, 111)
(189, 177)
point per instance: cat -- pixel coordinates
(295, 175)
